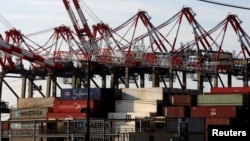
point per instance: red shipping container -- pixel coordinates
(75, 106)
(216, 121)
(230, 90)
(174, 111)
(63, 116)
(214, 111)
(184, 100)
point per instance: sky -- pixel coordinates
(36, 15)
(33, 16)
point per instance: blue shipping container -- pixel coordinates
(80, 93)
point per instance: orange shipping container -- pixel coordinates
(214, 111)
(75, 106)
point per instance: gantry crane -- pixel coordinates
(136, 46)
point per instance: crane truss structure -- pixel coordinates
(137, 46)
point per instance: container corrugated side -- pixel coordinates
(30, 113)
(220, 99)
(214, 111)
(75, 106)
(136, 106)
(80, 93)
(185, 100)
(222, 90)
(36, 102)
(96, 126)
(174, 111)
(142, 93)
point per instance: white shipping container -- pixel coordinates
(220, 99)
(142, 93)
(36, 102)
(136, 106)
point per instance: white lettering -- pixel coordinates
(216, 132)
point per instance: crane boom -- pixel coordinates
(86, 28)
(29, 56)
(84, 34)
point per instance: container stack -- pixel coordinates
(136, 103)
(187, 113)
(33, 108)
(73, 103)
(178, 118)
(241, 98)
(29, 110)
(222, 106)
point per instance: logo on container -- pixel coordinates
(78, 94)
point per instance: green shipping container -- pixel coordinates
(222, 100)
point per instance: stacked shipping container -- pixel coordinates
(136, 103)
(186, 114)
(188, 110)
(73, 103)
(30, 109)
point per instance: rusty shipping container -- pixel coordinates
(174, 111)
(36, 102)
(213, 111)
(223, 100)
(184, 100)
(30, 113)
(75, 106)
